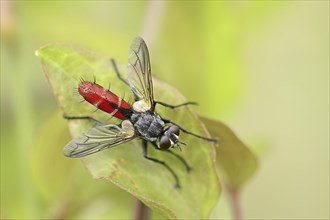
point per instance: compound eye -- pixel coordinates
(164, 143)
(175, 129)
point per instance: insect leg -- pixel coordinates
(188, 168)
(174, 106)
(145, 155)
(122, 78)
(83, 118)
(117, 72)
(176, 155)
(188, 132)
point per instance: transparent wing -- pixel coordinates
(97, 139)
(139, 75)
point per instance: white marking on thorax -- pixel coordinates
(141, 106)
(128, 128)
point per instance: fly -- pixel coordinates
(138, 120)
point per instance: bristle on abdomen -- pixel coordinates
(104, 100)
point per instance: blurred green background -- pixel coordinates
(261, 67)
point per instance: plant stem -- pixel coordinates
(235, 204)
(141, 211)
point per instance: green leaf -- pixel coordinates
(124, 165)
(65, 187)
(235, 162)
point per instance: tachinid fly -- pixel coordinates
(138, 120)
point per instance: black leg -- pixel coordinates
(188, 168)
(188, 132)
(145, 155)
(83, 118)
(117, 72)
(174, 106)
(176, 155)
(122, 78)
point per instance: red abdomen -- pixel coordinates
(105, 100)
